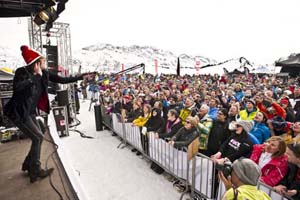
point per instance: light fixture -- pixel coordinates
(48, 15)
(41, 17)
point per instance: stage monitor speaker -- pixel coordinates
(52, 63)
(62, 97)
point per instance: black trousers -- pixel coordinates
(32, 129)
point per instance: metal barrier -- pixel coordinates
(119, 128)
(269, 190)
(200, 175)
(175, 161)
(133, 136)
(203, 176)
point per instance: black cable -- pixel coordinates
(50, 180)
(82, 134)
(60, 176)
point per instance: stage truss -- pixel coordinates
(58, 35)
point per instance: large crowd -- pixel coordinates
(233, 116)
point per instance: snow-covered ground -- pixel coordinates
(109, 173)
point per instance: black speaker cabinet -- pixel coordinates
(61, 120)
(62, 97)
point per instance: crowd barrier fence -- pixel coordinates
(196, 170)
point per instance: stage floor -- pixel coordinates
(15, 184)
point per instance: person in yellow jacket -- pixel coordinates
(141, 120)
(250, 111)
(241, 183)
(189, 109)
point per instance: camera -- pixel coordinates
(226, 167)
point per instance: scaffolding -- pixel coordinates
(58, 35)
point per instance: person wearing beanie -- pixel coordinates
(271, 159)
(30, 92)
(241, 184)
(279, 127)
(290, 115)
(238, 145)
(250, 110)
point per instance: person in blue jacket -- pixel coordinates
(259, 129)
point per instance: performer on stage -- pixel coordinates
(30, 92)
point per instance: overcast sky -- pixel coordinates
(260, 30)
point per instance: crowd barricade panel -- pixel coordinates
(195, 169)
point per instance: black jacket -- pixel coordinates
(24, 89)
(218, 134)
(237, 146)
(184, 137)
(154, 122)
(290, 181)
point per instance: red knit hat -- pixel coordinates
(29, 55)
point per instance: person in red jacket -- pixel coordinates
(271, 159)
(274, 110)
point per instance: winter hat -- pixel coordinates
(247, 171)
(246, 124)
(284, 101)
(278, 122)
(30, 55)
(251, 101)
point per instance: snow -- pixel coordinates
(107, 172)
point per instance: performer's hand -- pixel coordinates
(89, 76)
(37, 69)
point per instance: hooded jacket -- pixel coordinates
(154, 122)
(260, 131)
(236, 146)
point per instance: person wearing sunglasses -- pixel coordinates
(186, 135)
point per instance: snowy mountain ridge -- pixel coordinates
(106, 57)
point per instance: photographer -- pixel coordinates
(241, 182)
